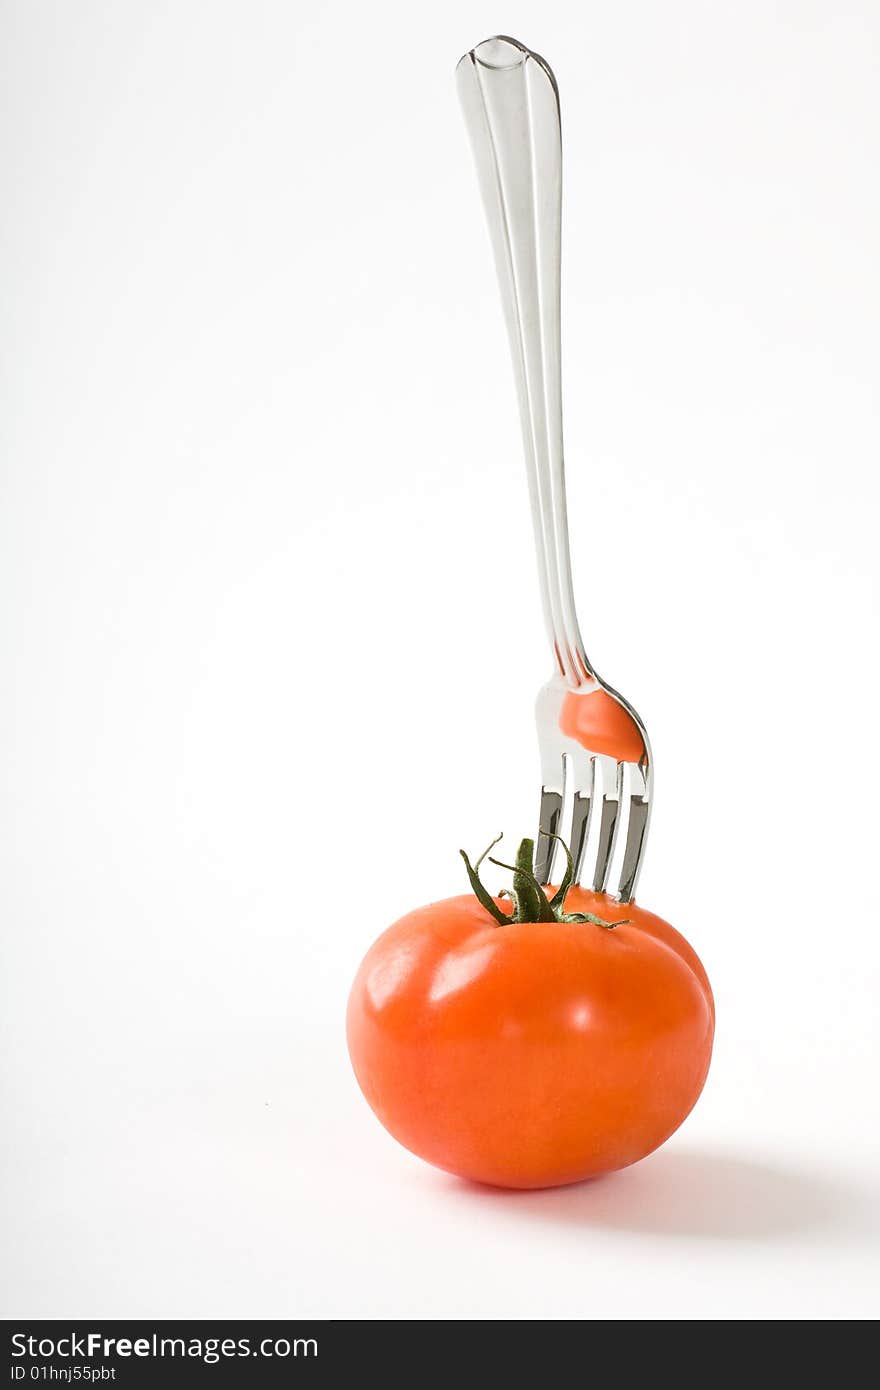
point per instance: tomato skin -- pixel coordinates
(533, 1054)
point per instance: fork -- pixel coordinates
(596, 768)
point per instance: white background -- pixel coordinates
(271, 635)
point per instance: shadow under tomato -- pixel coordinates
(689, 1193)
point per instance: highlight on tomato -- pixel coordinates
(531, 1039)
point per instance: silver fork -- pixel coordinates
(595, 757)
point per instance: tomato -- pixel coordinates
(531, 1053)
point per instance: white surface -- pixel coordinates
(261, 451)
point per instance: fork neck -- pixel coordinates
(550, 523)
(572, 665)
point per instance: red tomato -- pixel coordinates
(531, 1054)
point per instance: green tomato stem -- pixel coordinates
(530, 902)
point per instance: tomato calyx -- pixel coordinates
(530, 902)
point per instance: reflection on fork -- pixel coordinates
(595, 757)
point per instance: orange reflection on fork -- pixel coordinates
(599, 723)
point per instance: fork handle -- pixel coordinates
(511, 108)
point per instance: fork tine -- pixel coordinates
(583, 770)
(580, 830)
(636, 830)
(635, 838)
(548, 826)
(610, 815)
